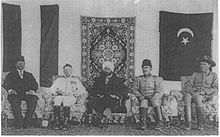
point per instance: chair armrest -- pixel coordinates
(4, 96)
(82, 99)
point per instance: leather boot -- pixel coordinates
(66, 117)
(99, 120)
(56, 117)
(159, 118)
(199, 115)
(187, 117)
(143, 115)
(104, 122)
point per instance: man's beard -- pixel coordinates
(107, 73)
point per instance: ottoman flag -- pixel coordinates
(107, 39)
(183, 38)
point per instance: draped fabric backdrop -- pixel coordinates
(107, 39)
(11, 35)
(183, 38)
(147, 36)
(49, 44)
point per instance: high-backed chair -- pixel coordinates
(210, 108)
(76, 111)
(6, 110)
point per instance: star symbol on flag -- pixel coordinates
(185, 41)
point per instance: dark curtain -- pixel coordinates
(183, 38)
(11, 35)
(49, 44)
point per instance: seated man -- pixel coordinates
(109, 92)
(21, 85)
(66, 90)
(148, 89)
(203, 88)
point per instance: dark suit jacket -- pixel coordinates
(115, 86)
(21, 86)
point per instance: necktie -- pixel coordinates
(21, 74)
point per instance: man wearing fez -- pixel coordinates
(203, 88)
(21, 85)
(149, 90)
(109, 92)
(66, 90)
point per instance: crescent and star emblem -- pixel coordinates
(185, 39)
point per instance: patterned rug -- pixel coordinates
(107, 39)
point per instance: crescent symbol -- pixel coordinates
(185, 30)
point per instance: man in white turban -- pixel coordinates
(109, 95)
(108, 64)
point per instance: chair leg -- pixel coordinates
(5, 120)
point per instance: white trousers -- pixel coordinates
(66, 100)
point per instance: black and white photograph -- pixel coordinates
(109, 67)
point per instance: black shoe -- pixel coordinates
(56, 125)
(65, 127)
(128, 121)
(76, 123)
(104, 122)
(19, 127)
(188, 126)
(142, 127)
(142, 124)
(159, 125)
(26, 126)
(200, 128)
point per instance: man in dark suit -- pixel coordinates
(21, 85)
(109, 93)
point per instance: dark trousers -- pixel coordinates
(15, 101)
(100, 104)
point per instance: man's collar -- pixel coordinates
(68, 77)
(148, 75)
(206, 73)
(20, 70)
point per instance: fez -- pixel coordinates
(146, 62)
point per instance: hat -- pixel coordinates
(19, 58)
(108, 64)
(146, 62)
(67, 65)
(207, 59)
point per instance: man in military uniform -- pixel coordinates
(66, 89)
(109, 93)
(203, 88)
(149, 90)
(21, 85)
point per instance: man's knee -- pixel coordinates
(156, 102)
(58, 100)
(13, 99)
(187, 99)
(199, 100)
(69, 100)
(144, 103)
(32, 98)
(128, 102)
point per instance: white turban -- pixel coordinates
(108, 64)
